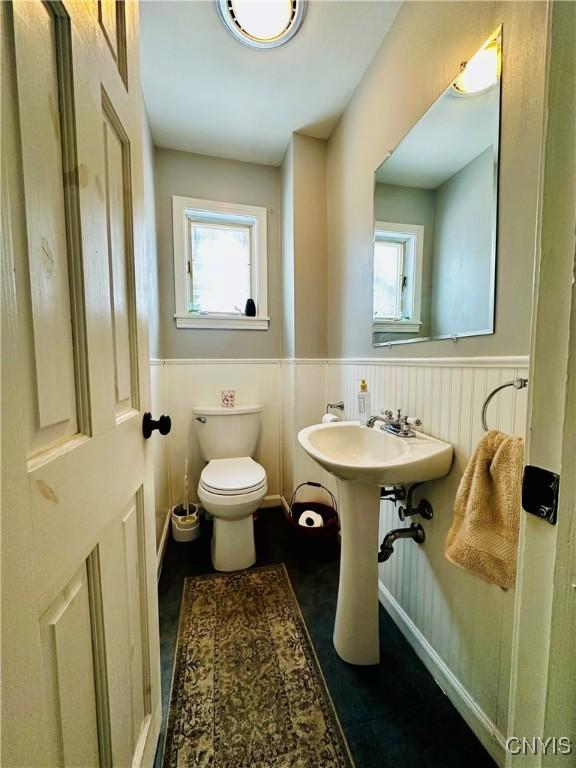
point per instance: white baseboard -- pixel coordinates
(162, 545)
(271, 501)
(485, 730)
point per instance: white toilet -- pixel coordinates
(232, 485)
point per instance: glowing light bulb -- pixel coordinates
(263, 20)
(482, 71)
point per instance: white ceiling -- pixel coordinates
(454, 131)
(206, 92)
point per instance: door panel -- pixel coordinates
(118, 200)
(69, 676)
(123, 587)
(107, 18)
(135, 583)
(80, 494)
(112, 18)
(52, 411)
(79, 605)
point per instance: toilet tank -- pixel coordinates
(227, 433)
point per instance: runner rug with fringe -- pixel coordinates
(247, 690)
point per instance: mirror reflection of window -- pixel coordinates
(388, 279)
(435, 210)
(397, 277)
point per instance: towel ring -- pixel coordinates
(516, 383)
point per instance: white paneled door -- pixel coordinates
(80, 649)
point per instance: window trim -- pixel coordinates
(181, 206)
(396, 326)
(414, 232)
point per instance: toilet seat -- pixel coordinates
(233, 477)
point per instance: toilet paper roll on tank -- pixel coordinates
(328, 418)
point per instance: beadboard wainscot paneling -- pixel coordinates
(460, 626)
(303, 404)
(288, 431)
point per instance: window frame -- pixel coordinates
(186, 209)
(412, 235)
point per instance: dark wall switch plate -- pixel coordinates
(540, 493)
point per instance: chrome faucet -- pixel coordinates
(373, 419)
(396, 425)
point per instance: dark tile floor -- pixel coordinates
(394, 715)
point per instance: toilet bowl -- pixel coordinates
(232, 485)
(232, 490)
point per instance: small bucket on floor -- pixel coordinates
(185, 525)
(312, 519)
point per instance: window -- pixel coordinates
(389, 279)
(397, 277)
(220, 262)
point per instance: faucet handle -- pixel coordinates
(413, 421)
(387, 413)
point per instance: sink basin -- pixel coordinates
(369, 455)
(363, 459)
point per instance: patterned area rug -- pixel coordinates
(247, 690)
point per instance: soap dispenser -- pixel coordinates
(363, 402)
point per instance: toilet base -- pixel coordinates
(233, 546)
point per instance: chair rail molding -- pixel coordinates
(502, 361)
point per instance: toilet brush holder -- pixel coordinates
(185, 523)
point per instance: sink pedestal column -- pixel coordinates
(356, 636)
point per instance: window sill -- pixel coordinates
(396, 326)
(222, 322)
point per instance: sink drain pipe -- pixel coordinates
(415, 532)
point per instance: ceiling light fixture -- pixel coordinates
(483, 70)
(262, 23)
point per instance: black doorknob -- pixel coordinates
(163, 425)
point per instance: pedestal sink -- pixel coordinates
(364, 459)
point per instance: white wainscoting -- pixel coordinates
(460, 626)
(303, 403)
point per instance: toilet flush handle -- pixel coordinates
(201, 419)
(163, 425)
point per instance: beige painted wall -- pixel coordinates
(304, 248)
(287, 197)
(417, 60)
(309, 246)
(182, 173)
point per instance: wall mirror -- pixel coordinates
(435, 211)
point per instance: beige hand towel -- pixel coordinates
(483, 537)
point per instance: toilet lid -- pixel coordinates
(233, 475)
